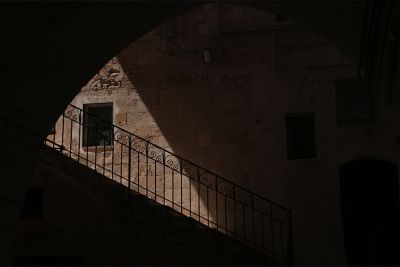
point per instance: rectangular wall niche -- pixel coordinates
(33, 204)
(97, 124)
(300, 136)
(353, 101)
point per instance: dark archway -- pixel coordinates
(369, 192)
(44, 44)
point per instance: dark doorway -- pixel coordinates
(369, 194)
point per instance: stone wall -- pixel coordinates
(229, 115)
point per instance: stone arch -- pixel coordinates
(88, 35)
(254, 186)
(79, 35)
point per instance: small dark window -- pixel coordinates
(280, 19)
(353, 102)
(97, 121)
(300, 134)
(33, 204)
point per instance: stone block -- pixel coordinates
(121, 119)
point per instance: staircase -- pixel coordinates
(143, 168)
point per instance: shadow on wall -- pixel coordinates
(207, 112)
(226, 112)
(214, 91)
(204, 109)
(228, 115)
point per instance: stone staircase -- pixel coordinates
(148, 233)
(174, 185)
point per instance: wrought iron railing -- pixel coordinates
(176, 182)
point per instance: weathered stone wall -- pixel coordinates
(229, 115)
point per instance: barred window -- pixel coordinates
(97, 124)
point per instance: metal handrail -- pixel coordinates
(267, 225)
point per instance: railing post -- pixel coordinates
(147, 168)
(208, 206)
(181, 171)
(79, 134)
(271, 215)
(129, 164)
(138, 171)
(216, 201)
(252, 217)
(95, 148)
(71, 125)
(62, 131)
(234, 209)
(290, 241)
(198, 192)
(163, 160)
(112, 152)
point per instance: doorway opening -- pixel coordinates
(369, 197)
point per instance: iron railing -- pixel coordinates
(176, 182)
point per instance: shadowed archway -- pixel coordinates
(369, 193)
(47, 42)
(242, 66)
